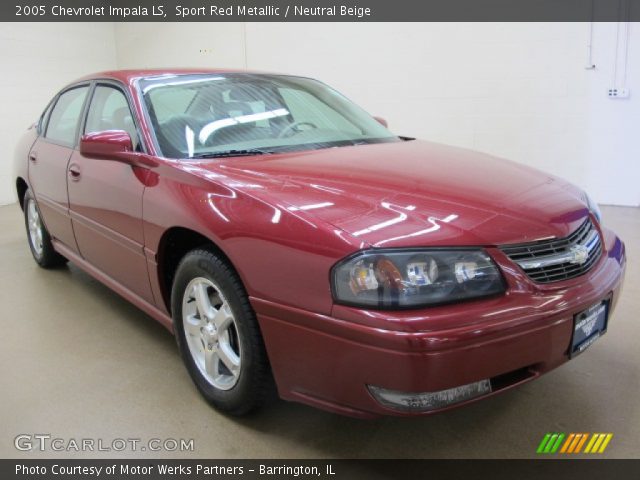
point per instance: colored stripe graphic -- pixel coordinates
(596, 445)
(605, 442)
(567, 442)
(572, 443)
(581, 442)
(550, 443)
(543, 443)
(593, 439)
(556, 445)
(547, 448)
(598, 442)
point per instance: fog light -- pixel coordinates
(423, 402)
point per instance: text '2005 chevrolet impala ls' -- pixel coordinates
(288, 238)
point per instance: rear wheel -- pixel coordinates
(218, 334)
(38, 236)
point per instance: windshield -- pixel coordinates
(197, 116)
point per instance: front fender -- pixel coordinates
(280, 254)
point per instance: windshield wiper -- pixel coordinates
(233, 153)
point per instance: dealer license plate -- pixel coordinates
(588, 326)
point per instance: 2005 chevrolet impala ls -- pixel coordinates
(288, 238)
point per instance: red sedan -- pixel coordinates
(288, 238)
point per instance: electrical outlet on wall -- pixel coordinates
(618, 92)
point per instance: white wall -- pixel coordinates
(37, 60)
(151, 45)
(516, 90)
(613, 126)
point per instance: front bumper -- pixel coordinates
(328, 361)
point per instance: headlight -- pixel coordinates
(593, 207)
(414, 278)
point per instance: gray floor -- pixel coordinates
(77, 361)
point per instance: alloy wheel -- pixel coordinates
(211, 333)
(35, 227)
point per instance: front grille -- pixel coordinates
(555, 260)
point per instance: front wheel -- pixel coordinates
(38, 237)
(218, 334)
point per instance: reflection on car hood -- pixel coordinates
(414, 194)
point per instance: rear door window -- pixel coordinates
(65, 116)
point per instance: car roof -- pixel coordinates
(127, 76)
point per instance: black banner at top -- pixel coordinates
(319, 10)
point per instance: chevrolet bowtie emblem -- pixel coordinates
(580, 254)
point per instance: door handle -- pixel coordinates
(74, 172)
(33, 156)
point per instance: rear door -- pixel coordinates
(49, 159)
(105, 198)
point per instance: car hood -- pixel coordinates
(413, 193)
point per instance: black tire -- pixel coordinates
(254, 381)
(45, 256)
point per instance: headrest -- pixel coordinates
(121, 116)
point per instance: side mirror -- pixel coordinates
(113, 145)
(381, 121)
(107, 145)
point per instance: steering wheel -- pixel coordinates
(286, 131)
